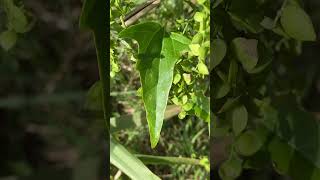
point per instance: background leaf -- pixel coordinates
(8, 39)
(297, 23)
(239, 118)
(218, 50)
(246, 50)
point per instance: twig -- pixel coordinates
(140, 11)
(279, 13)
(117, 176)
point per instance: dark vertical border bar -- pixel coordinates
(108, 88)
(210, 88)
(97, 18)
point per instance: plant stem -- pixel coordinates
(279, 13)
(149, 159)
(140, 11)
(123, 93)
(103, 74)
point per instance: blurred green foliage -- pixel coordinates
(46, 67)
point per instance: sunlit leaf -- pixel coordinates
(158, 54)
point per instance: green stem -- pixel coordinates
(103, 74)
(149, 159)
(124, 93)
(279, 13)
(221, 74)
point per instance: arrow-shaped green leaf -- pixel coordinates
(158, 54)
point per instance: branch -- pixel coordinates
(140, 11)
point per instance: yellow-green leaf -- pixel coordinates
(8, 39)
(297, 24)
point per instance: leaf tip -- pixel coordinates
(154, 141)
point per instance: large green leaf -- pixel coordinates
(158, 54)
(128, 163)
(297, 23)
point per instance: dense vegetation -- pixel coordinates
(47, 64)
(256, 60)
(260, 91)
